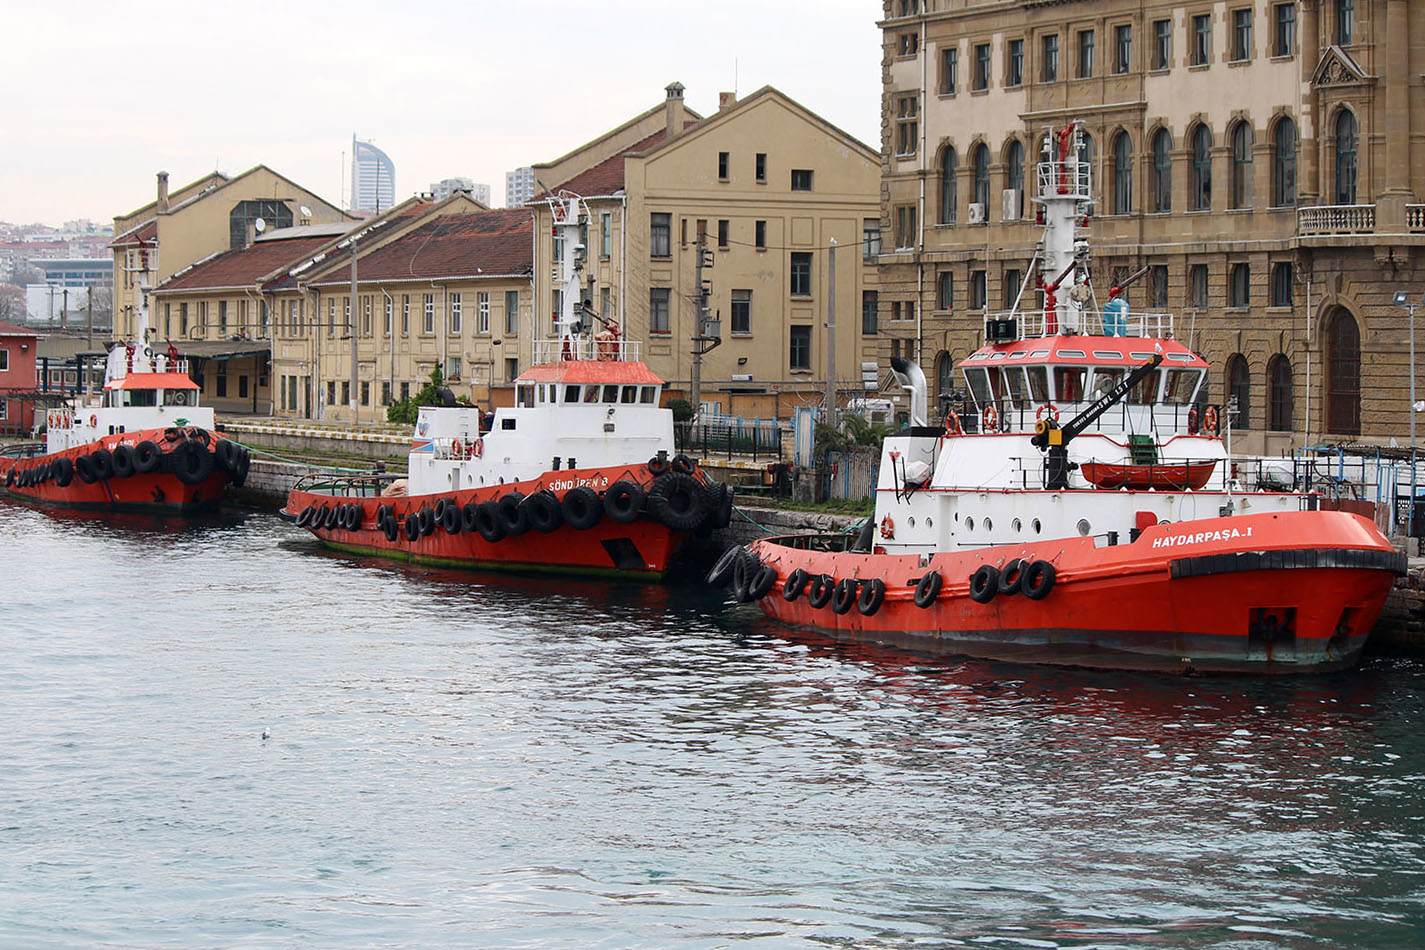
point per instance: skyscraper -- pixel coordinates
(373, 177)
(519, 186)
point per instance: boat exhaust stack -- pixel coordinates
(912, 380)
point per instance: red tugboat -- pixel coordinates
(578, 476)
(147, 445)
(1119, 539)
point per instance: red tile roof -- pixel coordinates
(244, 267)
(606, 177)
(145, 233)
(490, 243)
(9, 329)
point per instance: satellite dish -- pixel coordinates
(306, 212)
(259, 225)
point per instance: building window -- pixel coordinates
(660, 234)
(1240, 290)
(759, 235)
(1281, 284)
(801, 177)
(982, 179)
(183, 320)
(4, 361)
(1197, 285)
(331, 315)
(799, 347)
(909, 44)
(512, 369)
(1122, 174)
(1239, 389)
(223, 318)
(1085, 54)
(390, 305)
(1345, 22)
(1242, 165)
(722, 162)
(978, 290)
(331, 392)
(1242, 34)
(658, 310)
(1162, 43)
(556, 312)
(1279, 393)
(512, 312)
(722, 233)
(948, 190)
(1284, 41)
(742, 311)
(1284, 164)
(428, 313)
(1051, 58)
(1346, 158)
(870, 239)
(1201, 39)
(759, 169)
(907, 132)
(1200, 184)
(949, 66)
(801, 274)
(1122, 48)
(981, 79)
(1158, 285)
(945, 290)
(366, 316)
(1009, 286)
(482, 313)
(455, 313)
(1014, 70)
(385, 392)
(1014, 181)
(365, 392)
(605, 302)
(870, 304)
(405, 315)
(606, 234)
(905, 227)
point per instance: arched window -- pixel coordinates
(1343, 374)
(1239, 388)
(982, 177)
(1200, 182)
(1122, 174)
(949, 193)
(1346, 158)
(1284, 164)
(1279, 393)
(1162, 171)
(1014, 178)
(1242, 165)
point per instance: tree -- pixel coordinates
(682, 410)
(853, 432)
(406, 410)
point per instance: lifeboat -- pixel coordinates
(1075, 510)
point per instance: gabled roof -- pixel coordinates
(324, 256)
(145, 233)
(607, 177)
(1338, 68)
(479, 244)
(237, 179)
(245, 267)
(206, 183)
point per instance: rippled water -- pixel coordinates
(472, 760)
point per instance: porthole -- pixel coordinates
(1084, 527)
(1036, 525)
(989, 525)
(929, 523)
(910, 522)
(969, 524)
(1017, 525)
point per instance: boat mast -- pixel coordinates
(1065, 196)
(568, 221)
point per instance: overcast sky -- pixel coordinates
(103, 95)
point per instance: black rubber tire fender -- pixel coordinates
(103, 463)
(84, 468)
(683, 464)
(512, 517)
(677, 501)
(795, 583)
(927, 590)
(63, 471)
(721, 572)
(820, 591)
(488, 522)
(623, 501)
(658, 465)
(383, 515)
(984, 584)
(467, 516)
(426, 521)
(244, 465)
(304, 517)
(331, 517)
(147, 456)
(173, 434)
(543, 512)
(225, 452)
(873, 595)
(123, 460)
(440, 506)
(1011, 576)
(722, 508)
(412, 526)
(744, 569)
(191, 462)
(200, 435)
(450, 518)
(582, 508)
(355, 515)
(844, 596)
(761, 584)
(1038, 580)
(391, 529)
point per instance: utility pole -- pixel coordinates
(64, 311)
(831, 335)
(90, 307)
(700, 339)
(351, 329)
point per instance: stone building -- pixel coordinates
(1257, 156)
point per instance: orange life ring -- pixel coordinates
(952, 424)
(990, 417)
(1192, 421)
(477, 448)
(1052, 409)
(94, 420)
(457, 449)
(1209, 419)
(888, 528)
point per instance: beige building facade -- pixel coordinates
(775, 192)
(1257, 156)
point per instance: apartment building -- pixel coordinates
(1257, 156)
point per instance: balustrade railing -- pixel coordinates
(1336, 219)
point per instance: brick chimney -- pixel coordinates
(726, 100)
(673, 108)
(162, 192)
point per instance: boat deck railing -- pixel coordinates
(23, 450)
(1033, 324)
(346, 485)
(1160, 420)
(1235, 476)
(555, 350)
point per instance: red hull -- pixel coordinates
(643, 547)
(1296, 592)
(158, 491)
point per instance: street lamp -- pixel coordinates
(1402, 300)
